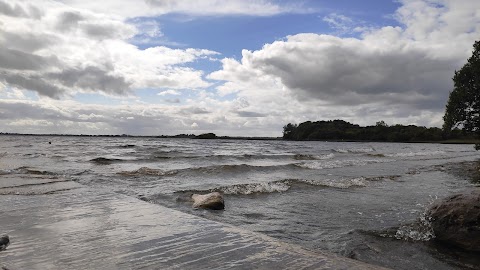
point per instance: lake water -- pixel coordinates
(361, 200)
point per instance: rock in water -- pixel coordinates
(456, 220)
(212, 201)
(4, 242)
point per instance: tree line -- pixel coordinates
(339, 130)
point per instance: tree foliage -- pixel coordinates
(288, 129)
(339, 130)
(463, 107)
(206, 136)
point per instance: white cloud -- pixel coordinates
(169, 92)
(60, 48)
(146, 8)
(66, 50)
(339, 22)
(404, 73)
(172, 100)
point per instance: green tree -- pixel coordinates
(381, 124)
(288, 131)
(463, 107)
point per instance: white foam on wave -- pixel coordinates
(414, 154)
(421, 230)
(285, 185)
(355, 150)
(246, 189)
(319, 165)
(147, 171)
(313, 157)
(339, 183)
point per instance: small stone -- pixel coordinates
(212, 201)
(4, 242)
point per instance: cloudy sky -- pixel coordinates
(232, 67)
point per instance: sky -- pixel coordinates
(231, 67)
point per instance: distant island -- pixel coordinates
(339, 130)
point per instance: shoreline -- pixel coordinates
(469, 170)
(84, 228)
(239, 138)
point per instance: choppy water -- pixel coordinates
(361, 200)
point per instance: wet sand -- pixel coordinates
(56, 224)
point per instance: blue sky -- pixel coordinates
(233, 67)
(229, 35)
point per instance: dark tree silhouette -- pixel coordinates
(287, 130)
(339, 130)
(463, 107)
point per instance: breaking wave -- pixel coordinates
(282, 186)
(313, 157)
(414, 154)
(26, 170)
(420, 230)
(233, 168)
(354, 150)
(318, 165)
(246, 189)
(147, 171)
(105, 161)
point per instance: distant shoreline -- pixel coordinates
(182, 136)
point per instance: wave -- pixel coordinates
(26, 170)
(126, 146)
(354, 150)
(147, 171)
(338, 183)
(52, 181)
(235, 168)
(105, 161)
(35, 155)
(319, 165)
(376, 155)
(414, 154)
(23, 145)
(246, 189)
(281, 186)
(28, 191)
(313, 157)
(180, 155)
(420, 230)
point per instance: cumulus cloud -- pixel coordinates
(349, 70)
(201, 7)
(404, 72)
(58, 49)
(18, 60)
(16, 10)
(68, 50)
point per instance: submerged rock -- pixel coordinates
(212, 201)
(456, 220)
(4, 242)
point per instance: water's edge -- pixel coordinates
(93, 229)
